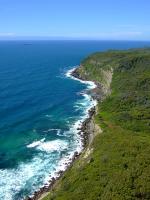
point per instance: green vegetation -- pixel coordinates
(118, 168)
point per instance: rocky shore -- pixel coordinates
(86, 131)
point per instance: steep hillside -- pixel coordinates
(117, 166)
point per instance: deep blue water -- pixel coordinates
(40, 109)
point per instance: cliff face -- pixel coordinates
(103, 85)
(117, 163)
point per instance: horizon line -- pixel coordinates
(41, 38)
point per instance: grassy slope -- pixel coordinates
(119, 166)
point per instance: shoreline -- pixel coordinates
(84, 131)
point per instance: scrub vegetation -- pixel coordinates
(118, 165)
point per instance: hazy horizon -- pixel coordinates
(40, 38)
(77, 20)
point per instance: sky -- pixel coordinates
(75, 19)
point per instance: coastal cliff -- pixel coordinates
(115, 163)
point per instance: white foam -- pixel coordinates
(35, 143)
(85, 104)
(91, 84)
(13, 180)
(56, 145)
(49, 146)
(52, 129)
(69, 72)
(39, 170)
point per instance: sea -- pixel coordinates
(41, 109)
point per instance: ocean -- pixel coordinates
(41, 108)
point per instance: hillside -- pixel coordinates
(117, 166)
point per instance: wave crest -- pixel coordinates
(49, 146)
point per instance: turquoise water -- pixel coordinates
(40, 110)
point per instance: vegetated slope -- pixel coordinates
(118, 167)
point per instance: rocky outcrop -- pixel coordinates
(103, 88)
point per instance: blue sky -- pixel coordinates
(85, 19)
